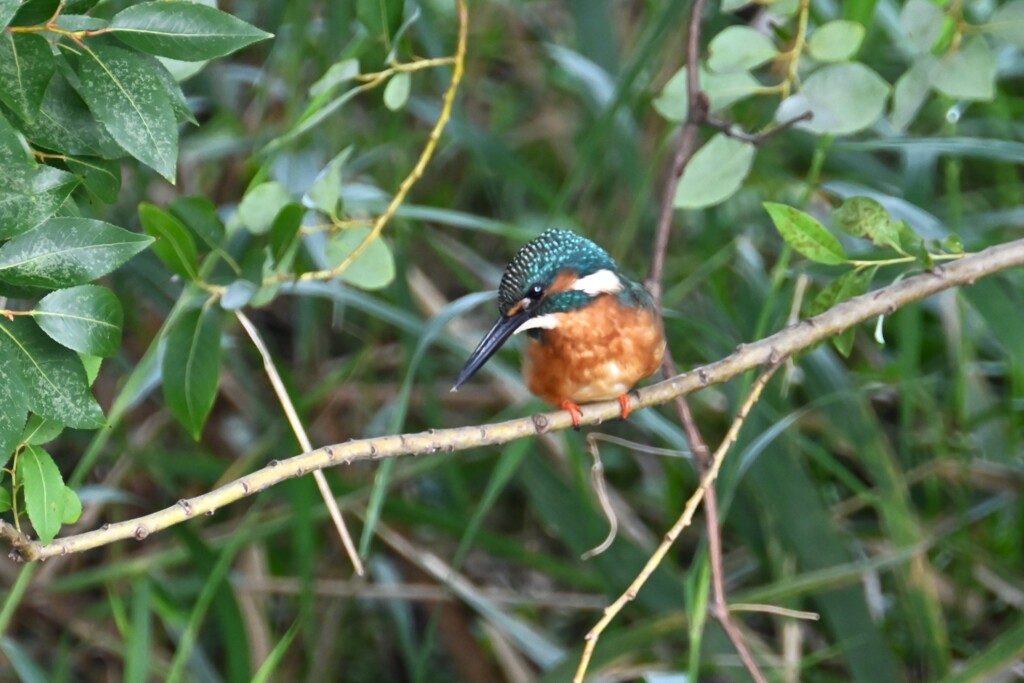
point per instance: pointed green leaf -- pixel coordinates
(15, 156)
(63, 252)
(739, 48)
(43, 488)
(396, 92)
(911, 91)
(848, 285)
(101, 177)
(374, 269)
(38, 430)
(126, 93)
(8, 8)
(805, 234)
(86, 319)
(261, 204)
(836, 41)
(715, 173)
(72, 506)
(55, 383)
(65, 123)
(91, 365)
(174, 244)
(191, 367)
(844, 98)
(36, 197)
(199, 215)
(26, 67)
(866, 217)
(339, 73)
(284, 235)
(13, 404)
(187, 31)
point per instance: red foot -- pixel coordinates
(624, 403)
(574, 411)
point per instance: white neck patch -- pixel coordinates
(602, 282)
(547, 321)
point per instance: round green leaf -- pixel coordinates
(55, 383)
(805, 234)
(911, 91)
(844, 98)
(922, 21)
(72, 506)
(396, 92)
(43, 491)
(191, 367)
(739, 48)
(374, 269)
(67, 251)
(261, 204)
(969, 73)
(187, 31)
(128, 96)
(836, 41)
(722, 89)
(715, 173)
(38, 430)
(1008, 22)
(86, 319)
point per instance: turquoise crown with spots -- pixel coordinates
(539, 262)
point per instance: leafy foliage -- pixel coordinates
(890, 465)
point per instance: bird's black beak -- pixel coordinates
(489, 345)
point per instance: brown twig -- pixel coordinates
(792, 340)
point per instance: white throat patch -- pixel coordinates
(543, 322)
(602, 282)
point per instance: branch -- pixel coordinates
(788, 342)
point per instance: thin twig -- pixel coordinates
(732, 131)
(706, 485)
(597, 479)
(303, 438)
(787, 342)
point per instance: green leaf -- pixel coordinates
(722, 90)
(38, 430)
(284, 235)
(739, 48)
(374, 269)
(340, 73)
(15, 156)
(844, 98)
(86, 319)
(174, 244)
(954, 244)
(126, 93)
(13, 404)
(836, 41)
(26, 204)
(911, 91)
(43, 488)
(261, 204)
(35, 12)
(68, 251)
(922, 21)
(396, 92)
(969, 73)
(191, 367)
(5, 500)
(1007, 23)
(55, 382)
(72, 506)
(92, 365)
(102, 178)
(199, 215)
(65, 123)
(326, 189)
(382, 18)
(715, 173)
(866, 217)
(805, 234)
(26, 67)
(8, 8)
(848, 285)
(187, 31)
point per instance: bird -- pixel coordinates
(592, 332)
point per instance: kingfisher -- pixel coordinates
(592, 332)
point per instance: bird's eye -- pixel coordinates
(535, 292)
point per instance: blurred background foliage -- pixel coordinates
(882, 490)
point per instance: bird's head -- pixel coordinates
(557, 272)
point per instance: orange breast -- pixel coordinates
(597, 353)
